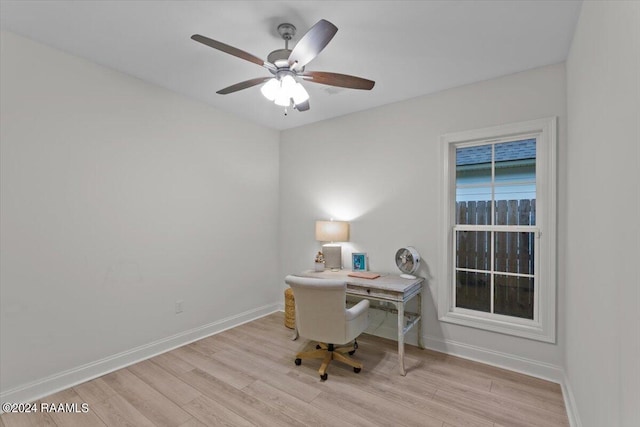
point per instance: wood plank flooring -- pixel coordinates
(246, 376)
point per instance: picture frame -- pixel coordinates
(359, 261)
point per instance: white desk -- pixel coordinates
(390, 288)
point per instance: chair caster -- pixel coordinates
(318, 347)
(352, 352)
(357, 370)
(324, 376)
(298, 362)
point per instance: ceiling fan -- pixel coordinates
(288, 66)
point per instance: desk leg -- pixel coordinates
(420, 338)
(400, 307)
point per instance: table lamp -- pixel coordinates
(332, 231)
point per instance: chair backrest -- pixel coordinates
(320, 308)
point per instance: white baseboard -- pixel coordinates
(63, 380)
(570, 403)
(534, 368)
(484, 355)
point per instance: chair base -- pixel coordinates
(329, 352)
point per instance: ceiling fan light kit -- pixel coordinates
(283, 88)
(288, 67)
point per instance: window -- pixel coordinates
(499, 229)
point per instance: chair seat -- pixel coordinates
(322, 316)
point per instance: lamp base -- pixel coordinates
(332, 257)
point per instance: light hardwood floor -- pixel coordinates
(246, 376)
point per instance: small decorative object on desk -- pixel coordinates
(319, 262)
(359, 261)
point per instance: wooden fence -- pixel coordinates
(508, 212)
(513, 250)
(513, 253)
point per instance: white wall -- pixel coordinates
(380, 170)
(119, 198)
(603, 189)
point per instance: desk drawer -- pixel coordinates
(373, 293)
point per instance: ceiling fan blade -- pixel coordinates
(340, 80)
(231, 50)
(312, 43)
(303, 106)
(242, 85)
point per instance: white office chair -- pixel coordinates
(321, 315)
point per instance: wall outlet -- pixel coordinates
(179, 306)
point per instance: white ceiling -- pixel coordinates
(410, 48)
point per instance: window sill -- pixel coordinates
(523, 328)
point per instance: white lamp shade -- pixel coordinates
(288, 82)
(270, 89)
(283, 98)
(299, 94)
(332, 231)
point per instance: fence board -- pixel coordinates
(501, 212)
(472, 259)
(512, 212)
(533, 212)
(461, 213)
(524, 212)
(482, 244)
(512, 238)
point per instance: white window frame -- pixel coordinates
(543, 326)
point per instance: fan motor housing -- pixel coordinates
(280, 58)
